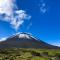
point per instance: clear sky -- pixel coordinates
(44, 23)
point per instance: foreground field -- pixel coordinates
(29, 54)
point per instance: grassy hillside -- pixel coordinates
(29, 54)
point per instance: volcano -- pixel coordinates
(25, 40)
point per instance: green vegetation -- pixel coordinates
(29, 54)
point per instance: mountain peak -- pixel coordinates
(24, 35)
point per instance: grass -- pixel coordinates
(29, 54)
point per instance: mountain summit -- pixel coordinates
(25, 40)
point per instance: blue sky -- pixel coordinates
(44, 24)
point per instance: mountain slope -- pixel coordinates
(24, 40)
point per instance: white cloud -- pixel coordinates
(3, 39)
(56, 42)
(20, 17)
(6, 7)
(42, 6)
(8, 14)
(29, 26)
